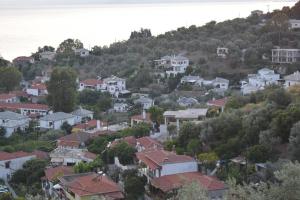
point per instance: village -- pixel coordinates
(116, 141)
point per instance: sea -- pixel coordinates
(27, 24)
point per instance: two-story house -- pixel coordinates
(283, 56)
(145, 102)
(90, 84)
(37, 89)
(56, 120)
(11, 122)
(114, 85)
(292, 79)
(8, 98)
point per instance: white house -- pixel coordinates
(90, 84)
(158, 163)
(11, 162)
(82, 52)
(8, 98)
(221, 83)
(222, 52)
(47, 55)
(120, 107)
(282, 56)
(82, 115)
(145, 102)
(173, 64)
(37, 89)
(114, 85)
(294, 23)
(193, 80)
(187, 102)
(11, 121)
(56, 120)
(292, 79)
(27, 108)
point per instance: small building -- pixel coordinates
(47, 55)
(71, 156)
(257, 13)
(37, 89)
(11, 122)
(87, 186)
(294, 23)
(90, 126)
(180, 116)
(284, 56)
(192, 80)
(158, 163)
(221, 83)
(222, 52)
(143, 118)
(115, 86)
(292, 79)
(120, 107)
(187, 101)
(51, 177)
(82, 52)
(83, 115)
(248, 88)
(56, 120)
(11, 162)
(9, 98)
(23, 60)
(90, 84)
(74, 140)
(145, 102)
(173, 64)
(27, 109)
(219, 103)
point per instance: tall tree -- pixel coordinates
(68, 46)
(10, 78)
(294, 141)
(62, 89)
(192, 191)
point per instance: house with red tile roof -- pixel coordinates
(51, 176)
(37, 89)
(11, 162)
(90, 84)
(74, 140)
(22, 60)
(158, 162)
(165, 185)
(8, 98)
(27, 108)
(219, 103)
(87, 185)
(142, 118)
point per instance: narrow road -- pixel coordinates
(11, 189)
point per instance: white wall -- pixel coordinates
(57, 124)
(33, 92)
(176, 168)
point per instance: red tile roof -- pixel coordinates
(140, 118)
(18, 106)
(102, 133)
(53, 173)
(10, 156)
(175, 181)
(38, 86)
(218, 102)
(93, 82)
(7, 96)
(40, 154)
(73, 140)
(155, 158)
(149, 143)
(130, 140)
(90, 155)
(22, 58)
(92, 184)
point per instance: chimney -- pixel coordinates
(144, 115)
(98, 125)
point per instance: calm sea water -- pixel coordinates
(24, 27)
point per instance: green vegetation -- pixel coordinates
(134, 185)
(10, 78)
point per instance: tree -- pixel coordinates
(294, 141)
(192, 191)
(62, 90)
(10, 78)
(143, 33)
(194, 147)
(258, 154)
(124, 152)
(134, 185)
(2, 131)
(156, 114)
(66, 127)
(95, 165)
(280, 97)
(68, 46)
(138, 130)
(6, 196)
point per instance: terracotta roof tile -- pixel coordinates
(7, 96)
(148, 143)
(10, 156)
(38, 86)
(55, 172)
(17, 106)
(218, 102)
(93, 82)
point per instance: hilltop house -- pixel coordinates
(292, 79)
(8, 98)
(56, 120)
(37, 89)
(115, 86)
(157, 163)
(87, 186)
(283, 56)
(222, 52)
(145, 102)
(90, 84)
(70, 156)
(187, 102)
(173, 64)
(179, 116)
(82, 52)
(294, 23)
(51, 176)
(166, 185)
(27, 109)
(11, 121)
(11, 162)
(193, 80)
(258, 81)
(82, 115)
(47, 55)
(23, 60)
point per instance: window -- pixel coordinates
(7, 165)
